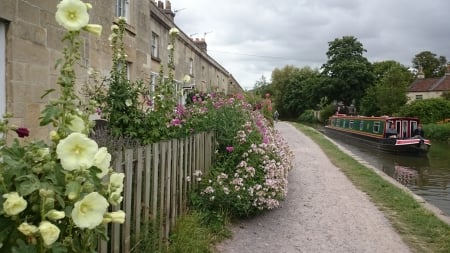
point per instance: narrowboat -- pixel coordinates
(374, 131)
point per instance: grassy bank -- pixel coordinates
(421, 230)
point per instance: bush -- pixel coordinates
(308, 117)
(428, 110)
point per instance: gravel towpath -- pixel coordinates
(323, 212)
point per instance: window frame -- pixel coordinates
(122, 9)
(154, 50)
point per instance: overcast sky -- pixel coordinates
(250, 38)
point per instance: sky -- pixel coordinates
(251, 38)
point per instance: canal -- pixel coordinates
(428, 177)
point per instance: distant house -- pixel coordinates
(425, 88)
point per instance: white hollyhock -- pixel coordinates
(49, 232)
(72, 14)
(14, 204)
(76, 151)
(102, 160)
(88, 212)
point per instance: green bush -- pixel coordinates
(308, 117)
(439, 132)
(428, 110)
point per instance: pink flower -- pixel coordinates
(229, 149)
(22, 132)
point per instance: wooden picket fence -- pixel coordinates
(158, 179)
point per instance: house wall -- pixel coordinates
(33, 44)
(425, 95)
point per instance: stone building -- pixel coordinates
(30, 44)
(426, 88)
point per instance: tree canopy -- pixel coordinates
(430, 64)
(348, 72)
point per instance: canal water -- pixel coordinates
(427, 176)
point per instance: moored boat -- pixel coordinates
(374, 131)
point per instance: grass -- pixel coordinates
(197, 232)
(419, 228)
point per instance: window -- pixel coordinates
(361, 125)
(191, 66)
(2, 69)
(122, 9)
(153, 82)
(351, 124)
(419, 97)
(155, 45)
(376, 127)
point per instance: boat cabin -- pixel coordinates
(374, 126)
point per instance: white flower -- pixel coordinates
(88, 6)
(14, 204)
(128, 102)
(102, 160)
(76, 151)
(115, 198)
(72, 14)
(115, 217)
(116, 181)
(55, 215)
(170, 47)
(49, 232)
(114, 28)
(94, 29)
(76, 124)
(174, 31)
(187, 79)
(88, 212)
(27, 229)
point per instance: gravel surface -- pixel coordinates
(323, 212)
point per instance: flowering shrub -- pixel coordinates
(55, 197)
(252, 164)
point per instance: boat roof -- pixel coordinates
(384, 117)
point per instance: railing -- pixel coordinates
(156, 187)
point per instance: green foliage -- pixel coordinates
(326, 112)
(308, 117)
(430, 65)
(439, 132)
(195, 232)
(389, 92)
(428, 110)
(348, 72)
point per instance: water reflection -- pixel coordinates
(428, 176)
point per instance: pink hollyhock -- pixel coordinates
(229, 149)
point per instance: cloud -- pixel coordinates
(251, 38)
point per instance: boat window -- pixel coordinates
(376, 127)
(351, 124)
(338, 122)
(413, 126)
(361, 125)
(405, 133)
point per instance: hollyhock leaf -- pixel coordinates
(28, 184)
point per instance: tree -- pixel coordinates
(430, 65)
(348, 72)
(389, 92)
